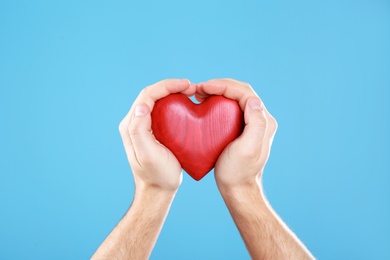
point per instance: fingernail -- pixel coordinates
(140, 110)
(185, 81)
(255, 104)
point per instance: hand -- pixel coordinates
(157, 176)
(242, 162)
(153, 165)
(238, 174)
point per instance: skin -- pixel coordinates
(238, 173)
(158, 175)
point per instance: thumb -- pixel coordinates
(142, 139)
(255, 125)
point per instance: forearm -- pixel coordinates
(136, 234)
(264, 233)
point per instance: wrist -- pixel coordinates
(252, 184)
(157, 184)
(154, 191)
(238, 180)
(243, 192)
(151, 200)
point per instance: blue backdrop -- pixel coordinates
(70, 70)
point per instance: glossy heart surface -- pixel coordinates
(196, 133)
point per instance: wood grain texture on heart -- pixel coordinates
(196, 133)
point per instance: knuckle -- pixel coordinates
(244, 84)
(161, 83)
(144, 159)
(165, 81)
(133, 129)
(145, 91)
(273, 124)
(247, 85)
(249, 154)
(122, 127)
(261, 123)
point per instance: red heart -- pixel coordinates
(196, 133)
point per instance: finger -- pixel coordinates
(123, 130)
(190, 90)
(229, 88)
(200, 95)
(255, 127)
(152, 93)
(221, 80)
(156, 91)
(142, 140)
(272, 126)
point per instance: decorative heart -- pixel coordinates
(196, 133)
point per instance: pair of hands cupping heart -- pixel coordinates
(197, 134)
(165, 132)
(230, 130)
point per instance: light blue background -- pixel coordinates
(69, 71)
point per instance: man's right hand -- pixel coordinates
(157, 176)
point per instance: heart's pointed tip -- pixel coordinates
(198, 177)
(195, 177)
